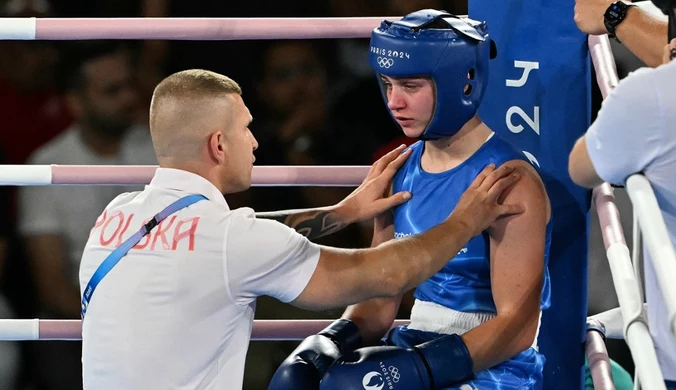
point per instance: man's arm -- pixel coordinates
(345, 277)
(364, 203)
(627, 134)
(641, 32)
(374, 317)
(644, 35)
(580, 166)
(312, 223)
(517, 268)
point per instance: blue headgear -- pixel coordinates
(453, 51)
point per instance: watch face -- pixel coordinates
(615, 14)
(614, 11)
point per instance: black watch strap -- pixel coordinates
(614, 15)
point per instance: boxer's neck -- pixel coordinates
(447, 153)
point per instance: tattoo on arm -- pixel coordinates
(310, 223)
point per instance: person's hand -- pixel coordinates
(371, 198)
(589, 16)
(669, 51)
(480, 206)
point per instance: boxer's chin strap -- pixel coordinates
(447, 360)
(345, 334)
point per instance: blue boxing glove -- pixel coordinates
(436, 364)
(306, 365)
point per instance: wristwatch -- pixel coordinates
(614, 15)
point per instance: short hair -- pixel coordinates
(196, 83)
(191, 84)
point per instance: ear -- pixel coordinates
(217, 146)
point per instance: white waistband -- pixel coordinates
(431, 317)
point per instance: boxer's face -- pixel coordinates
(411, 101)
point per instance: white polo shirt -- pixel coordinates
(635, 131)
(177, 311)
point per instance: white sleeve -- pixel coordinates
(265, 257)
(626, 136)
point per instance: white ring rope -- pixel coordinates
(263, 330)
(33, 175)
(187, 28)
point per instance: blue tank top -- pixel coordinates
(464, 284)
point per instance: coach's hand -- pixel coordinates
(372, 197)
(480, 205)
(589, 16)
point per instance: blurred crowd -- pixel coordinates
(315, 102)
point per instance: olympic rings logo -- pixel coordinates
(394, 372)
(385, 62)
